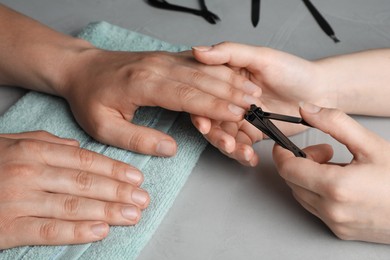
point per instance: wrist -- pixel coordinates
(330, 92)
(67, 64)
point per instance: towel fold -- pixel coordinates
(164, 177)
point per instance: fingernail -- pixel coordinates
(250, 99)
(139, 196)
(202, 130)
(202, 48)
(247, 155)
(236, 110)
(252, 88)
(99, 229)
(130, 212)
(134, 176)
(310, 108)
(166, 148)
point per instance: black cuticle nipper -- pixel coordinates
(262, 121)
(203, 12)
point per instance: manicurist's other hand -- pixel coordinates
(352, 199)
(53, 192)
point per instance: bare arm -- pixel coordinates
(361, 81)
(31, 54)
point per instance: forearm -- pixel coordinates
(32, 55)
(360, 82)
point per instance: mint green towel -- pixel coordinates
(164, 177)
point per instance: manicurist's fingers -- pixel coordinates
(342, 127)
(301, 171)
(234, 54)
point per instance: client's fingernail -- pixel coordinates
(139, 196)
(310, 108)
(130, 212)
(166, 148)
(202, 48)
(99, 229)
(252, 88)
(247, 155)
(236, 110)
(134, 176)
(250, 99)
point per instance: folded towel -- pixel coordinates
(164, 177)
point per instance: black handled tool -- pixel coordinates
(255, 12)
(261, 120)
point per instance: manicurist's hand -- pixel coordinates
(352, 199)
(285, 80)
(53, 192)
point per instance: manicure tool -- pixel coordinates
(261, 120)
(321, 21)
(255, 12)
(203, 12)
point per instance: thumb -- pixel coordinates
(121, 133)
(341, 127)
(233, 54)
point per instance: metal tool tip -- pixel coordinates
(334, 38)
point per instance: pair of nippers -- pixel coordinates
(262, 121)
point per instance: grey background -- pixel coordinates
(227, 211)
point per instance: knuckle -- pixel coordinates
(336, 215)
(122, 192)
(49, 230)
(155, 58)
(71, 205)
(342, 232)
(108, 212)
(136, 141)
(338, 192)
(141, 75)
(29, 146)
(185, 93)
(84, 181)
(116, 170)
(86, 158)
(336, 116)
(197, 76)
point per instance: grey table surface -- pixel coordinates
(227, 211)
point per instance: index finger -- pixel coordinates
(78, 158)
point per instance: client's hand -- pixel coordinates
(54, 193)
(105, 88)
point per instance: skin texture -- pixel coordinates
(351, 198)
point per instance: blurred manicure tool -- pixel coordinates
(203, 12)
(255, 12)
(261, 120)
(321, 21)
